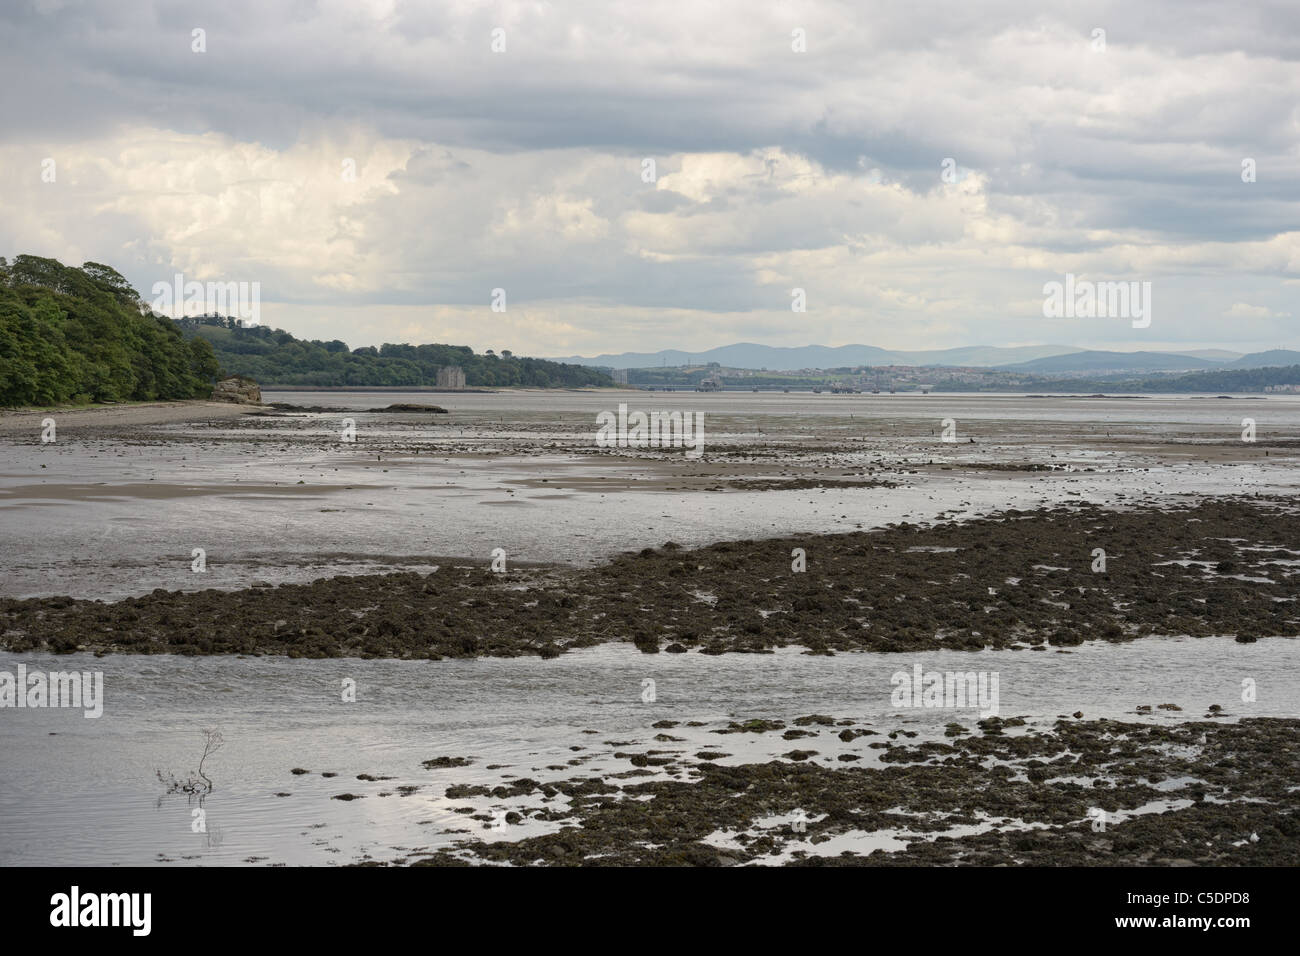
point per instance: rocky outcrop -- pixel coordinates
(237, 389)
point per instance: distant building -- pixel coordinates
(619, 375)
(451, 376)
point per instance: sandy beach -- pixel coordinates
(119, 416)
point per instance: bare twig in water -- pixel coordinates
(199, 783)
(212, 742)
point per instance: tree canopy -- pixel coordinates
(274, 357)
(72, 334)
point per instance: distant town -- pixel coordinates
(713, 377)
(891, 379)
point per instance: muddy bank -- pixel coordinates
(1086, 793)
(15, 422)
(1017, 580)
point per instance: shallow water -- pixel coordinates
(1149, 409)
(78, 790)
(97, 518)
(102, 519)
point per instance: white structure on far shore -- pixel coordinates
(451, 376)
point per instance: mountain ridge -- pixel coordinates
(1027, 358)
(754, 355)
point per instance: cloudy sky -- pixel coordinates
(775, 168)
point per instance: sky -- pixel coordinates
(919, 170)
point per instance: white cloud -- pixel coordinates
(521, 170)
(1242, 310)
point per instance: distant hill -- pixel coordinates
(747, 355)
(1271, 358)
(1030, 359)
(1233, 380)
(1214, 355)
(753, 356)
(1100, 361)
(983, 356)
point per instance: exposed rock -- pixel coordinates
(409, 407)
(463, 614)
(237, 389)
(439, 762)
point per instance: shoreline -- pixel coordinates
(113, 416)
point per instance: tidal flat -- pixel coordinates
(1034, 580)
(1128, 567)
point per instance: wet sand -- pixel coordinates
(1079, 793)
(115, 417)
(1018, 580)
(905, 545)
(112, 510)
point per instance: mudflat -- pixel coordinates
(695, 659)
(1056, 577)
(119, 416)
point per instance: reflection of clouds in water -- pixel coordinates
(516, 718)
(110, 520)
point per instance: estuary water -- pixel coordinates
(280, 499)
(75, 790)
(284, 500)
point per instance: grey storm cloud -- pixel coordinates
(1068, 150)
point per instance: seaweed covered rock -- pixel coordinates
(237, 389)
